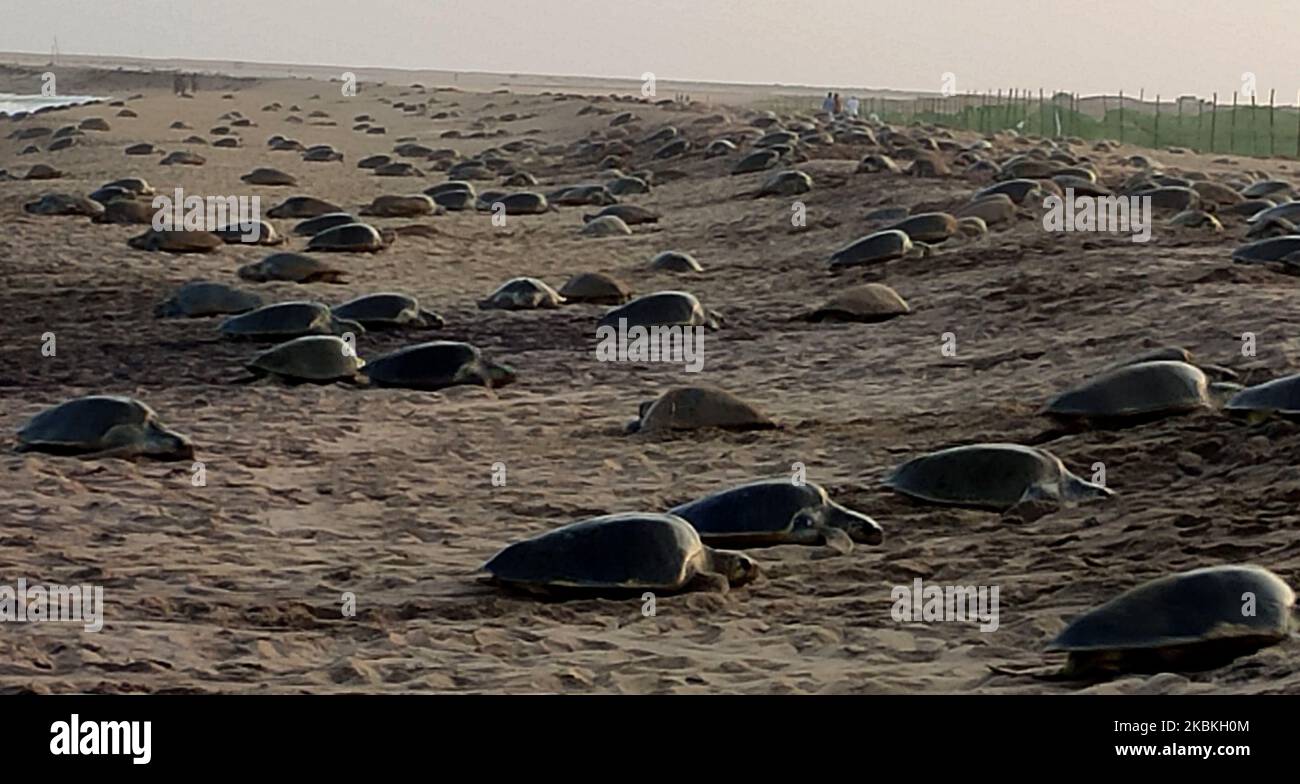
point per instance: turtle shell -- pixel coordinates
(1199, 609)
(989, 476)
(791, 182)
(758, 160)
(662, 308)
(928, 227)
(675, 261)
(633, 551)
(302, 207)
(766, 512)
(316, 358)
(176, 241)
(265, 176)
(64, 204)
(436, 365)
(690, 408)
(1282, 248)
(281, 320)
(596, 287)
(872, 249)
(204, 298)
(349, 237)
(1281, 395)
(994, 209)
(386, 309)
(98, 422)
(1136, 391)
(523, 203)
(522, 294)
(400, 206)
(868, 303)
(313, 226)
(294, 267)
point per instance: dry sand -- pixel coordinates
(316, 491)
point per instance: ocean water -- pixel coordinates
(12, 104)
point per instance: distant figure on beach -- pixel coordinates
(178, 83)
(828, 105)
(194, 83)
(838, 108)
(853, 106)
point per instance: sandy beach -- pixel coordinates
(314, 492)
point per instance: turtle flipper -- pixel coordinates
(709, 582)
(837, 540)
(1037, 673)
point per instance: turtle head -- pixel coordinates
(859, 527)
(1075, 489)
(738, 568)
(496, 374)
(432, 319)
(163, 444)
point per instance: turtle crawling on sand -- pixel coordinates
(991, 476)
(1190, 621)
(692, 408)
(319, 359)
(103, 426)
(777, 511)
(631, 552)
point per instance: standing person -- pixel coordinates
(853, 106)
(839, 105)
(828, 105)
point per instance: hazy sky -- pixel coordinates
(1165, 46)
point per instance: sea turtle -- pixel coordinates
(693, 408)
(875, 163)
(136, 185)
(293, 267)
(777, 511)
(313, 226)
(1172, 198)
(606, 226)
(521, 203)
(103, 426)
(127, 211)
(522, 294)
(176, 241)
(991, 476)
(1284, 249)
(757, 160)
(520, 179)
(1189, 621)
(42, 171)
(868, 303)
(631, 552)
(928, 227)
(1280, 396)
(597, 288)
(1217, 193)
(579, 195)
(675, 261)
(143, 148)
(1133, 393)
(267, 176)
(285, 320)
(1267, 189)
(719, 147)
(790, 182)
(205, 298)
(397, 169)
(108, 193)
(253, 232)
(320, 359)
(64, 204)
(993, 210)
(630, 214)
(436, 365)
(322, 153)
(928, 164)
(387, 309)
(183, 158)
(348, 237)
(374, 161)
(624, 186)
(662, 308)
(400, 206)
(303, 207)
(875, 248)
(1019, 191)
